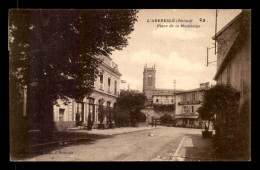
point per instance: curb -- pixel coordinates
(179, 146)
(72, 140)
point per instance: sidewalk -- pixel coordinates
(194, 148)
(115, 131)
(65, 137)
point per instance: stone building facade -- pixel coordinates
(163, 99)
(234, 68)
(234, 56)
(153, 94)
(156, 96)
(107, 88)
(187, 104)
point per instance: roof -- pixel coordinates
(192, 90)
(160, 89)
(226, 26)
(163, 94)
(226, 58)
(232, 48)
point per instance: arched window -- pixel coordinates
(149, 80)
(101, 81)
(115, 87)
(91, 109)
(108, 104)
(109, 84)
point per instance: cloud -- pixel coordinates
(177, 33)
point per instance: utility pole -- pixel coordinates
(174, 95)
(208, 55)
(128, 86)
(216, 31)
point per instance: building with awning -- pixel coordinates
(187, 104)
(187, 116)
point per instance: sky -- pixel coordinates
(178, 53)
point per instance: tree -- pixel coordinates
(222, 101)
(132, 102)
(166, 118)
(164, 108)
(205, 113)
(54, 53)
(121, 116)
(102, 112)
(220, 105)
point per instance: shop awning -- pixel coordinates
(186, 116)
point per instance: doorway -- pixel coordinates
(79, 113)
(61, 114)
(91, 109)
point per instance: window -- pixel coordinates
(185, 109)
(184, 97)
(109, 83)
(79, 113)
(193, 96)
(91, 109)
(115, 87)
(108, 104)
(192, 109)
(172, 100)
(149, 80)
(61, 114)
(101, 81)
(157, 100)
(79, 108)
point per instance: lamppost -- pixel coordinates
(174, 95)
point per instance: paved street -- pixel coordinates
(148, 144)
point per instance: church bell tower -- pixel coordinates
(149, 81)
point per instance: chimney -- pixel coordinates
(207, 85)
(204, 85)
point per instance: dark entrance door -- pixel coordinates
(185, 121)
(91, 110)
(61, 114)
(77, 119)
(79, 113)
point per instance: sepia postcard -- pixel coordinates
(124, 85)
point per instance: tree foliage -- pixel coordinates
(166, 118)
(131, 103)
(222, 101)
(55, 50)
(121, 116)
(163, 108)
(219, 100)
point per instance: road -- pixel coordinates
(146, 145)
